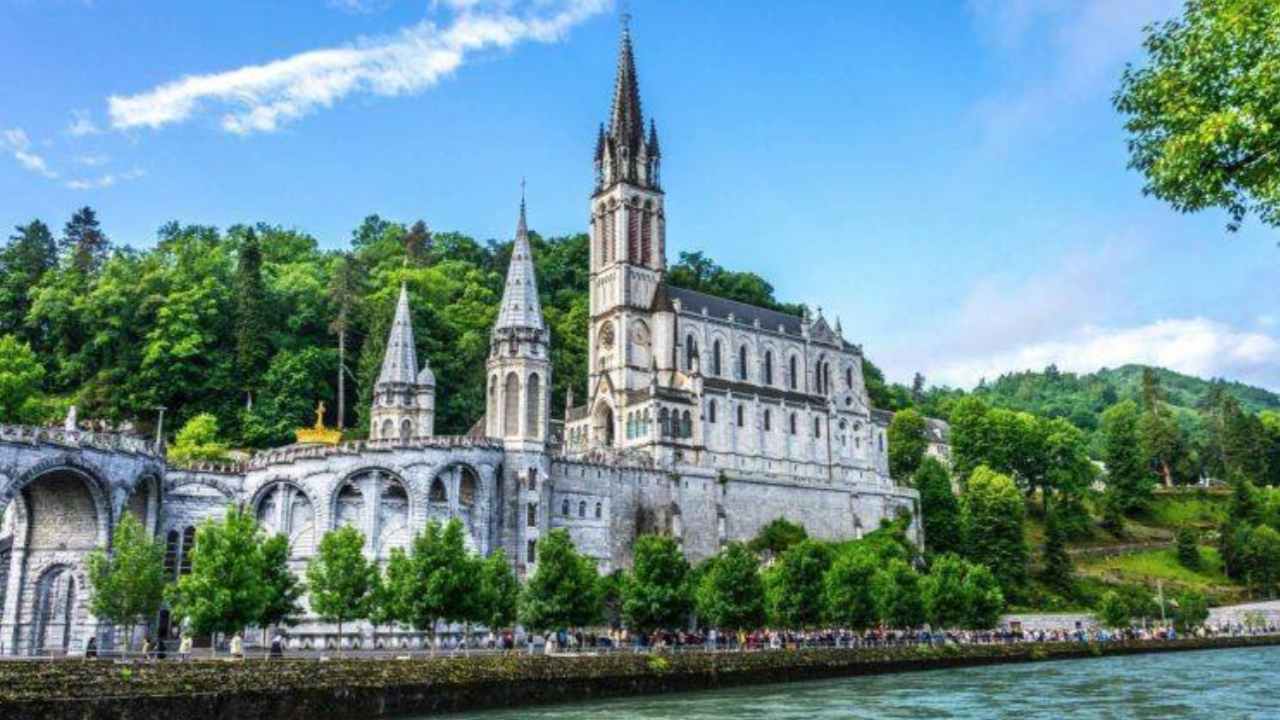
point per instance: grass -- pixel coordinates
(1184, 509)
(1150, 567)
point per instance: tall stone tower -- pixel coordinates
(628, 251)
(519, 366)
(404, 398)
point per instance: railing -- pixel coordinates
(95, 439)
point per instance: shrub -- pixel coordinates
(1188, 549)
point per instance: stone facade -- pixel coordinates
(705, 420)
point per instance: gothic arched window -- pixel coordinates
(711, 411)
(511, 406)
(437, 494)
(188, 544)
(564, 508)
(646, 237)
(742, 363)
(686, 425)
(664, 422)
(599, 510)
(791, 424)
(848, 377)
(690, 350)
(582, 508)
(768, 367)
(767, 420)
(715, 358)
(533, 405)
(791, 376)
(742, 416)
(817, 427)
(171, 550)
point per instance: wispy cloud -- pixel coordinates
(1074, 48)
(15, 140)
(261, 98)
(92, 159)
(359, 7)
(1197, 346)
(104, 181)
(81, 124)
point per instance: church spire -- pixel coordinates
(626, 123)
(623, 152)
(400, 363)
(520, 307)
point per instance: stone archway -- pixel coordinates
(53, 626)
(456, 491)
(283, 507)
(603, 425)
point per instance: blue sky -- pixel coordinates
(946, 177)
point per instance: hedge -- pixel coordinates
(354, 688)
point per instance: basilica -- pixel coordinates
(702, 418)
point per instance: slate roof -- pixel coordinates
(693, 302)
(400, 363)
(520, 306)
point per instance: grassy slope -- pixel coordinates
(1153, 561)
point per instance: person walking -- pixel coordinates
(184, 647)
(237, 647)
(277, 647)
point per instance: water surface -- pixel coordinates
(1219, 684)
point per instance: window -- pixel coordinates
(768, 367)
(742, 363)
(511, 406)
(817, 427)
(767, 420)
(188, 544)
(791, 424)
(664, 422)
(742, 416)
(564, 508)
(686, 425)
(171, 551)
(582, 509)
(532, 515)
(531, 552)
(533, 479)
(599, 510)
(711, 411)
(715, 358)
(690, 350)
(791, 376)
(881, 442)
(848, 377)
(533, 405)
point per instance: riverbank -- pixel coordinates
(364, 689)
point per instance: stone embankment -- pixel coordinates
(363, 689)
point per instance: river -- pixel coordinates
(1218, 684)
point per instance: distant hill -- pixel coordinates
(1060, 394)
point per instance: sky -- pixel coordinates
(947, 178)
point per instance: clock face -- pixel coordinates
(606, 335)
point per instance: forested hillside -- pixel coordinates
(247, 323)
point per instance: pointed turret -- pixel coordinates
(404, 396)
(400, 363)
(623, 154)
(520, 307)
(626, 123)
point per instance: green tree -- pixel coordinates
(1113, 611)
(939, 508)
(730, 594)
(896, 589)
(1058, 570)
(1262, 560)
(994, 516)
(907, 443)
(1192, 612)
(340, 579)
(1162, 441)
(1188, 549)
(253, 345)
(942, 592)
(794, 586)
(499, 592)
(198, 441)
(30, 253)
(20, 381)
(847, 588)
(983, 598)
(388, 601)
(656, 595)
(563, 591)
(283, 588)
(127, 585)
(345, 289)
(444, 574)
(1202, 124)
(776, 537)
(971, 439)
(225, 591)
(1127, 475)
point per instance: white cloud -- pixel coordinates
(104, 181)
(1267, 320)
(1196, 346)
(92, 159)
(81, 124)
(361, 7)
(261, 98)
(1087, 43)
(15, 140)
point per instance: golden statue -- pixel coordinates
(318, 434)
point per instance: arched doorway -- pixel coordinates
(602, 425)
(55, 611)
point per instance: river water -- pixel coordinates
(1218, 684)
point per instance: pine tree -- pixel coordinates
(344, 293)
(1188, 549)
(1057, 563)
(943, 528)
(83, 243)
(30, 253)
